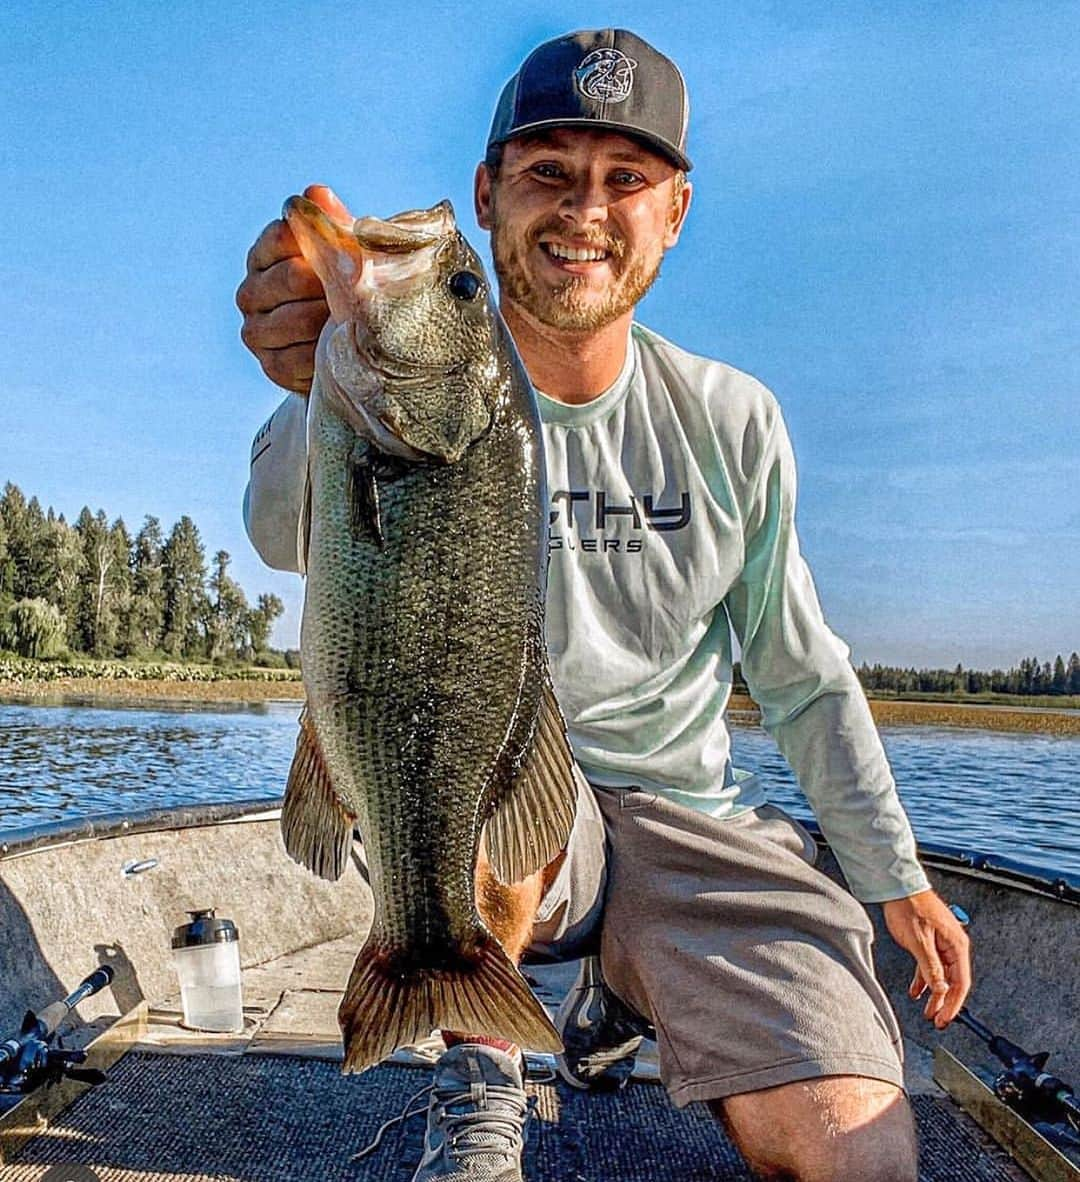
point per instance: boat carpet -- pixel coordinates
(256, 1118)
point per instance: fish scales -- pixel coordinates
(403, 656)
(422, 634)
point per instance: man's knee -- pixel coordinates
(820, 1130)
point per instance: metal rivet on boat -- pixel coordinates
(138, 867)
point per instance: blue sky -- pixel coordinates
(886, 230)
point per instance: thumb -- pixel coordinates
(329, 202)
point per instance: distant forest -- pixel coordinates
(92, 588)
(1029, 677)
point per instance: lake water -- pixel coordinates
(1010, 795)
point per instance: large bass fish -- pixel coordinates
(430, 721)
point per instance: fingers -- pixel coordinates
(923, 925)
(284, 308)
(956, 956)
(275, 243)
(328, 201)
(285, 281)
(944, 962)
(931, 970)
(292, 367)
(292, 323)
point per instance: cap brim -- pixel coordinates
(659, 145)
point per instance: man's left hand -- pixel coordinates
(924, 926)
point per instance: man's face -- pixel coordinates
(580, 221)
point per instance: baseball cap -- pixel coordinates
(607, 79)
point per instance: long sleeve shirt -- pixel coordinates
(672, 528)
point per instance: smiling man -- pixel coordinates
(672, 527)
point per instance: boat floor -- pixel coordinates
(271, 1105)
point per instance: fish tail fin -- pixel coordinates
(385, 1008)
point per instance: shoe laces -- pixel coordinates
(491, 1121)
(474, 1130)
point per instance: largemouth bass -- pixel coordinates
(430, 720)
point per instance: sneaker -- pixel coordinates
(476, 1118)
(601, 1035)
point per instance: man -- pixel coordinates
(672, 525)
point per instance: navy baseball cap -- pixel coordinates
(608, 79)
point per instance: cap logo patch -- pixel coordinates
(605, 74)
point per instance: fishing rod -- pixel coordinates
(28, 1061)
(1045, 1101)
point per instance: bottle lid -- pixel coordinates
(204, 929)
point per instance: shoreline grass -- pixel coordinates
(966, 715)
(102, 682)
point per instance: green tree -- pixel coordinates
(63, 547)
(37, 572)
(33, 628)
(183, 576)
(261, 621)
(1059, 680)
(1074, 673)
(16, 527)
(119, 592)
(7, 570)
(146, 618)
(106, 589)
(227, 612)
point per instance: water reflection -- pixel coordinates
(1009, 794)
(61, 762)
(1012, 795)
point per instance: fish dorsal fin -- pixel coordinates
(531, 823)
(315, 826)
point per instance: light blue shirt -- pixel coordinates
(671, 530)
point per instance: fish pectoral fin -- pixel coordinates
(363, 493)
(385, 1008)
(315, 825)
(532, 821)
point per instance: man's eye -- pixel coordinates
(626, 179)
(547, 170)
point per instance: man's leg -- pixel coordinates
(821, 1130)
(755, 971)
(477, 1111)
(509, 910)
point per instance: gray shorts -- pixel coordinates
(754, 967)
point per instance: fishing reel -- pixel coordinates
(1046, 1102)
(28, 1060)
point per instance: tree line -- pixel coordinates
(92, 588)
(1029, 677)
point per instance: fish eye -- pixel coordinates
(464, 285)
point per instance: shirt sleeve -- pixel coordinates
(811, 701)
(274, 497)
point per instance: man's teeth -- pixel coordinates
(575, 254)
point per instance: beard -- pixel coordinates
(572, 305)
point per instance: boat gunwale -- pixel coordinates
(1064, 886)
(30, 839)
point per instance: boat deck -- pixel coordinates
(271, 1105)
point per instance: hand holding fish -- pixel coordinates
(283, 301)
